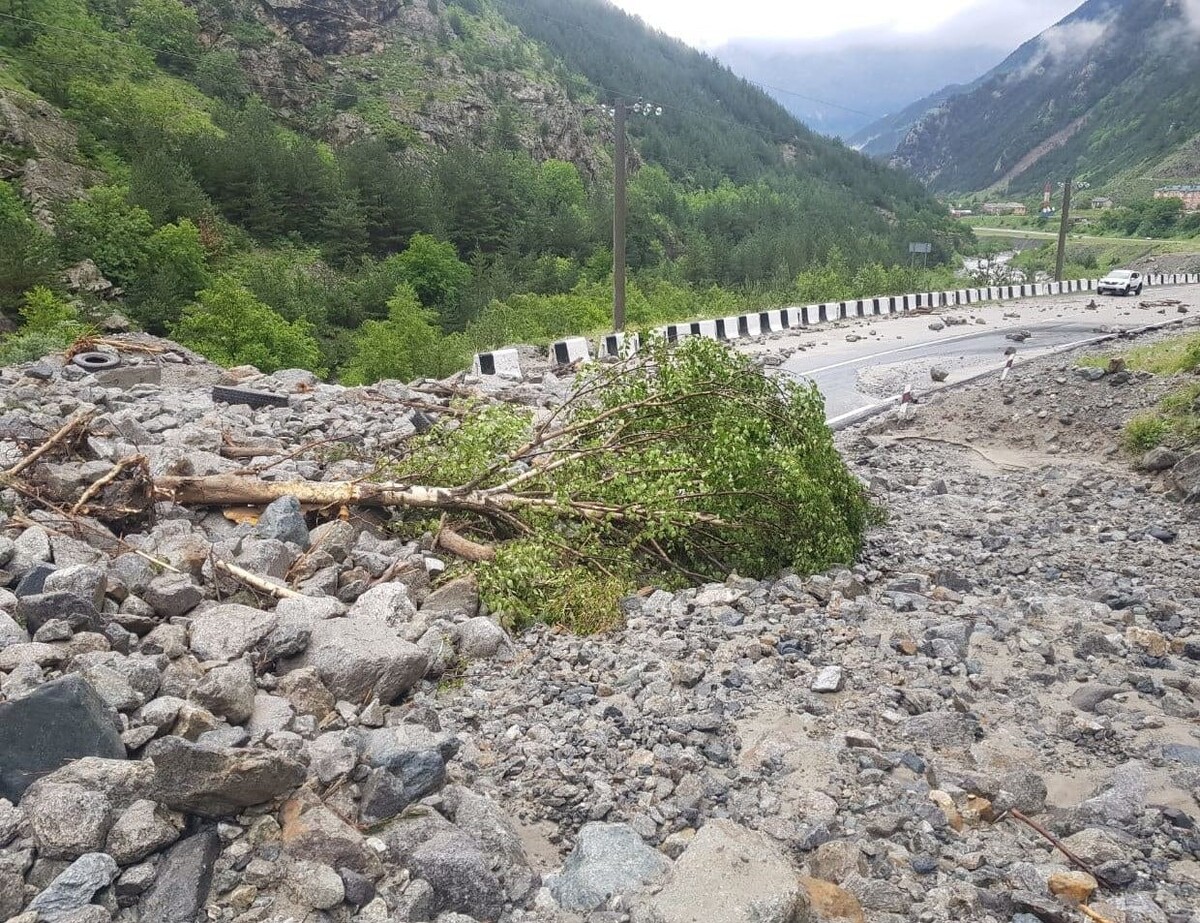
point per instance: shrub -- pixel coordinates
(50, 324)
(28, 255)
(230, 326)
(1145, 432)
(407, 345)
(680, 465)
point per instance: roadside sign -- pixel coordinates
(920, 248)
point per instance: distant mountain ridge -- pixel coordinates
(839, 89)
(1110, 94)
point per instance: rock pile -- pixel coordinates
(1020, 634)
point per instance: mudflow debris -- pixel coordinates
(268, 714)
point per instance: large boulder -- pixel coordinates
(71, 810)
(229, 631)
(218, 781)
(728, 874)
(608, 860)
(359, 659)
(57, 722)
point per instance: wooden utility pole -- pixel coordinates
(619, 181)
(1062, 231)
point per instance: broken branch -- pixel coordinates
(63, 432)
(255, 581)
(463, 547)
(100, 483)
(1058, 844)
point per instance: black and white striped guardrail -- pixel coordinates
(505, 363)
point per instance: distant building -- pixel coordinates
(1005, 208)
(1102, 202)
(1190, 194)
(961, 212)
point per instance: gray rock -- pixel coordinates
(757, 883)
(229, 631)
(486, 823)
(387, 604)
(608, 860)
(183, 881)
(217, 781)
(830, 679)
(11, 632)
(36, 609)
(228, 691)
(942, 730)
(460, 875)
(1188, 754)
(315, 886)
(143, 829)
(55, 723)
(1159, 459)
(172, 595)
(1185, 477)
(74, 888)
(359, 659)
(313, 832)
(67, 820)
(134, 881)
(458, 599)
(479, 638)
(938, 374)
(283, 520)
(87, 582)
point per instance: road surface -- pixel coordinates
(856, 364)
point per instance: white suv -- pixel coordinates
(1120, 282)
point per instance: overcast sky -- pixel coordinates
(709, 23)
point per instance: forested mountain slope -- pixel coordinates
(429, 165)
(1110, 94)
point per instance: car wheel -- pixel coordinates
(1139, 290)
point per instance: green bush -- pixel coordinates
(28, 254)
(231, 327)
(685, 464)
(50, 324)
(110, 231)
(406, 346)
(1145, 432)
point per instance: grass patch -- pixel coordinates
(1168, 357)
(1145, 432)
(1175, 422)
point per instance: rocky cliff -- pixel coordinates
(1110, 94)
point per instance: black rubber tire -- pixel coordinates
(95, 362)
(1139, 291)
(251, 398)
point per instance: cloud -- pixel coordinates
(1062, 45)
(1191, 14)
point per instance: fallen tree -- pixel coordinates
(678, 465)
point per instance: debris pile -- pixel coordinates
(269, 714)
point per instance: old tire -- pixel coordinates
(95, 362)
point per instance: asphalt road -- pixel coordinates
(858, 363)
(976, 350)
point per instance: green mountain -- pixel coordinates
(1110, 94)
(447, 161)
